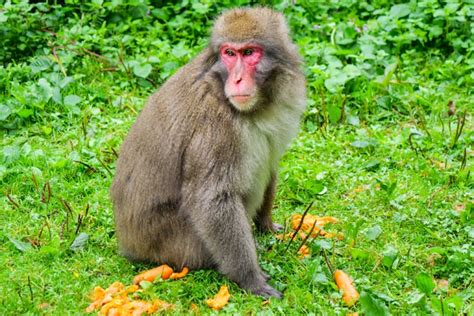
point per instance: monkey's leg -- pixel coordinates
(219, 220)
(263, 219)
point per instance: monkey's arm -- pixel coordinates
(214, 207)
(219, 220)
(263, 220)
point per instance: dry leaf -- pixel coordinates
(440, 165)
(44, 305)
(360, 188)
(442, 284)
(433, 258)
(451, 108)
(349, 293)
(194, 309)
(220, 299)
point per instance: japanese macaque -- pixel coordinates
(200, 163)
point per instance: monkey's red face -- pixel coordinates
(241, 61)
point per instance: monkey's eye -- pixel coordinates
(229, 52)
(248, 52)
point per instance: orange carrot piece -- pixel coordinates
(349, 293)
(164, 271)
(220, 299)
(179, 275)
(304, 252)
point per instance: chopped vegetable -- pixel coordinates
(349, 293)
(220, 299)
(164, 271)
(179, 275)
(115, 301)
(309, 221)
(304, 252)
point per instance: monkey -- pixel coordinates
(200, 163)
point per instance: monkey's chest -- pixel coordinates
(260, 159)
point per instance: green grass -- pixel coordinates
(377, 150)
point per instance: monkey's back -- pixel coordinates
(146, 191)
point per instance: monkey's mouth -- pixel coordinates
(241, 98)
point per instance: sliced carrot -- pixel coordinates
(220, 299)
(304, 252)
(115, 301)
(349, 293)
(179, 275)
(163, 271)
(309, 221)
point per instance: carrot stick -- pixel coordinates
(179, 275)
(164, 271)
(349, 293)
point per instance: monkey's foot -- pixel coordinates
(277, 227)
(267, 291)
(269, 227)
(266, 276)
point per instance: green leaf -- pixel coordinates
(11, 153)
(72, 100)
(373, 232)
(336, 81)
(5, 112)
(3, 171)
(46, 130)
(3, 17)
(390, 253)
(324, 244)
(41, 64)
(46, 91)
(25, 113)
(400, 11)
(388, 73)
(79, 242)
(353, 120)
(142, 70)
(371, 306)
(351, 71)
(146, 284)
(415, 297)
(334, 112)
(360, 144)
(50, 251)
(64, 82)
(425, 283)
(372, 164)
(180, 50)
(359, 254)
(435, 31)
(20, 245)
(320, 278)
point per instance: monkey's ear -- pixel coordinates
(210, 59)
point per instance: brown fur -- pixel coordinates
(194, 171)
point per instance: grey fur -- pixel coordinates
(194, 171)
